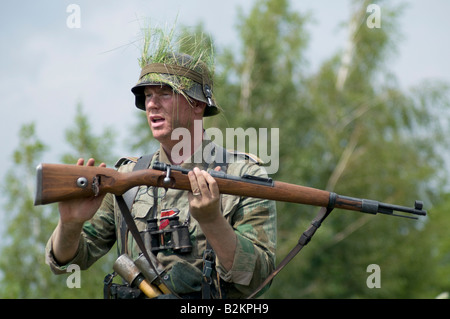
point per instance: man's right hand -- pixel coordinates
(79, 210)
(73, 213)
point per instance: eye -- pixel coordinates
(167, 94)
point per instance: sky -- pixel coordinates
(48, 66)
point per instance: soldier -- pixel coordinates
(175, 91)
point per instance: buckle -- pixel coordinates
(208, 262)
(109, 278)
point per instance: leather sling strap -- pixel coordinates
(128, 223)
(137, 237)
(129, 196)
(302, 242)
(125, 203)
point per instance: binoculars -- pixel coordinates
(175, 236)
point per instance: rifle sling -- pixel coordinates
(137, 237)
(142, 163)
(302, 242)
(125, 203)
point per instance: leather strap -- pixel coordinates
(125, 203)
(129, 196)
(137, 237)
(302, 242)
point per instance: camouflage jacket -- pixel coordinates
(254, 222)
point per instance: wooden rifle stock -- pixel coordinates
(60, 182)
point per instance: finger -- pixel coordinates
(194, 184)
(217, 168)
(91, 162)
(201, 181)
(80, 161)
(213, 187)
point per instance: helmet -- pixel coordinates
(185, 75)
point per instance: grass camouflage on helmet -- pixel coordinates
(188, 74)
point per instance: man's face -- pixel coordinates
(167, 110)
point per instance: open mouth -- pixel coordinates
(157, 119)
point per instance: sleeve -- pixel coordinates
(96, 239)
(255, 224)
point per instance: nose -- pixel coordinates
(151, 102)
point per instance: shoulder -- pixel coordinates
(128, 163)
(232, 156)
(125, 161)
(245, 163)
(245, 157)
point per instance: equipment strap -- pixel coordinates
(137, 237)
(302, 242)
(129, 196)
(125, 203)
(209, 258)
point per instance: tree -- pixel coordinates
(350, 129)
(85, 144)
(369, 140)
(24, 272)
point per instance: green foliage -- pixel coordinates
(85, 144)
(348, 128)
(439, 248)
(21, 260)
(24, 273)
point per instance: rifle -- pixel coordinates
(60, 182)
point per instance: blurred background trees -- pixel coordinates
(24, 273)
(347, 128)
